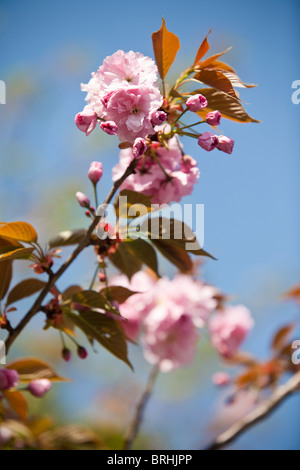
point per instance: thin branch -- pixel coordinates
(53, 277)
(263, 410)
(138, 417)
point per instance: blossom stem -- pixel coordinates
(192, 125)
(85, 242)
(161, 167)
(96, 195)
(138, 417)
(94, 277)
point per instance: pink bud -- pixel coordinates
(8, 378)
(86, 120)
(83, 199)
(220, 379)
(139, 147)
(213, 118)
(66, 354)
(39, 387)
(208, 141)
(95, 172)
(110, 127)
(225, 144)
(158, 117)
(196, 103)
(82, 352)
(102, 277)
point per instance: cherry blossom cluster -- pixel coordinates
(9, 379)
(169, 316)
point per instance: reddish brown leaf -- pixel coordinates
(165, 46)
(203, 49)
(31, 368)
(20, 231)
(216, 79)
(5, 277)
(229, 107)
(282, 337)
(294, 293)
(25, 289)
(18, 402)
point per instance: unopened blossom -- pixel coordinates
(176, 181)
(229, 328)
(66, 354)
(213, 118)
(225, 144)
(196, 103)
(5, 434)
(208, 141)
(82, 352)
(158, 117)
(95, 172)
(109, 127)
(220, 379)
(171, 338)
(86, 120)
(9, 378)
(139, 147)
(83, 199)
(39, 387)
(131, 108)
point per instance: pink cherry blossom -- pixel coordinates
(8, 378)
(131, 108)
(86, 120)
(139, 147)
(213, 118)
(208, 141)
(110, 127)
(95, 172)
(220, 379)
(196, 103)
(149, 178)
(83, 199)
(229, 328)
(170, 339)
(39, 387)
(225, 144)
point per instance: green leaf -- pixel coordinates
(125, 260)
(5, 277)
(31, 368)
(24, 289)
(70, 291)
(68, 237)
(103, 329)
(92, 299)
(20, 231)
(134, 203)
(117, 293)
(144, 251)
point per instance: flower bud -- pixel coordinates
(83, 200)
(86, 120)
(139, 147)
(158, 117)
(66, 354)
(213, 118)
(225, 144)
(220, 379)
(196, 103)
(8, 378)
(39, 387)
(82, 352)
(110, 127)
(95, 172)
(208, 141)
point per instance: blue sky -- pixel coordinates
(251, 198)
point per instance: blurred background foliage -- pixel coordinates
(251, 198)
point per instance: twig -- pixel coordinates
(258, 414)
(136, 423)
(53, 277)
